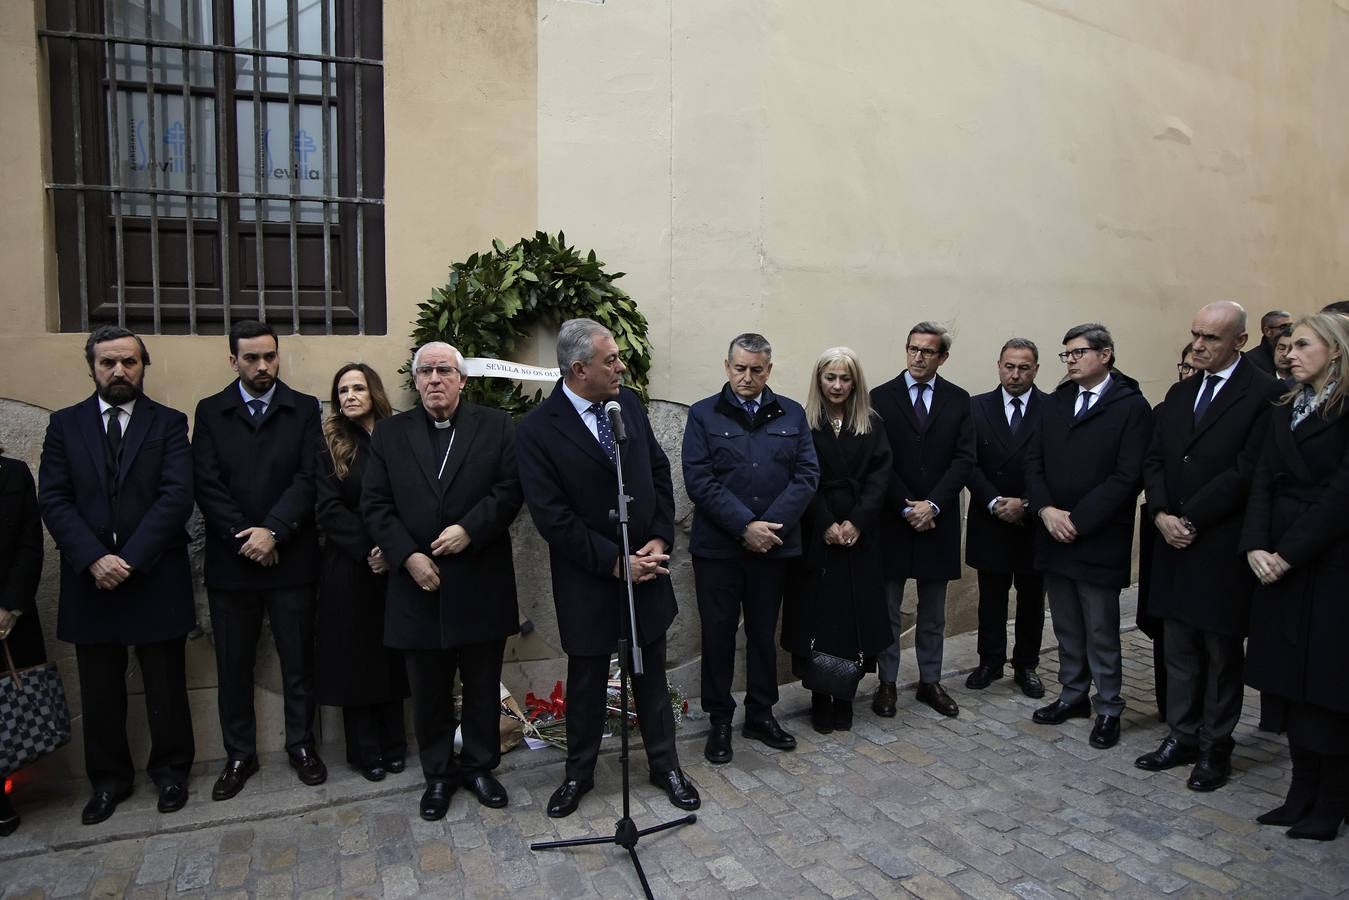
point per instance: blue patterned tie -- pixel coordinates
(603, 431)
(257, 406)
(751, 407)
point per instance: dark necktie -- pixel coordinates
(115, 433)
(919, 407)
(1206, 397)
(1086, 404)
(1015, 422)
(258, 407)
(603, 431)
(751, 408)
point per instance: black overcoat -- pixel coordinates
(21, 560)
(931, 463)
(1204, 474)
(406, 505)
(1299, 624)
(1093, 468)
(999, 470)
(570, 487)
(835, 594)
(252, 472)
(140, 513)
(352, 667)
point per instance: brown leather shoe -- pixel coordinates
(935, 696)
(883, 701)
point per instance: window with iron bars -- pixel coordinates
(213, 161)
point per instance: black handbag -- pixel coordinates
(832, 675)
(34, 717)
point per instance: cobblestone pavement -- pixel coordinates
(985, 805)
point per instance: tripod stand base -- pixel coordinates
(626, 835)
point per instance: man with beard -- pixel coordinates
(116, 493)
(256, 445)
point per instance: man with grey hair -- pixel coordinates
(568, 451)
(750, 470)
(1082, 480)
(927, 419)
(1272, 324)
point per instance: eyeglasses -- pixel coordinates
(1076, 353)
(924, 352)
(442, 371)
(1185, 369)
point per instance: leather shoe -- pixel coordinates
(308, 766)
(374, 772)
(231, 781)
(842, 715)
(488, 791)
(983, 676)
(769, 732)
(678, 788)
(1211, 772)
(1059, 712)
(395, 765)
(436, 800)
(1029, 682)
(1170, 754)
(567, 797)
(102, 805)
(718, 749)
(1105, 733)
(935, 696)
(883, 701)
(172, 797)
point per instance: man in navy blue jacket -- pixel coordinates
(116, 493)
(750, 470)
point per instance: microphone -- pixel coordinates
(614, 412)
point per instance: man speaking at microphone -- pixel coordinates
(567, 449)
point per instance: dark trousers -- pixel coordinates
(1086, 623)
(107, 755)
(725, 587)
(431, 676)
(994, 593)
(587, 686)
(1204, 686)
(236, 622)
(929, 633)
(375, 733)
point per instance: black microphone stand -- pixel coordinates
(626, 832)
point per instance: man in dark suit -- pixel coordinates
(567, 450)
(256, 445)
(116, 493)
(1272, 325)
(440, 493)
(1082, 478)
(1198, 474)
(927, 419)
(751, 471)
(999, 536)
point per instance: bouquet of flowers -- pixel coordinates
(545, 718)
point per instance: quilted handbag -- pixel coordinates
(34, 718)
(832, 675)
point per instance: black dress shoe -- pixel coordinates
(935, 696)
(769, 732)
(1029, 682)
(678, 788)
(395, 765)
(821, 712)
(1105, 733)
(883, 701)
(567, 797)
(231, 781)
(488, 791)
(842, 715)
(436, 800)
(375, 772)
(308, 766)
(983, 676)
(1170, 754)
(718, 748)
(9, 824)
(172, 797)
(1059, 712)
(102, 805)
(1211, 772)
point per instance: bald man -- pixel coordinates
(1197, 475)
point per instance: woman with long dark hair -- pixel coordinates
(20, 572)
(836, 601)
(1296, 539)
(353, 669)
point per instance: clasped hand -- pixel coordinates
(1174, 530)
(843, 534)
(1268, 567)
(921, 515)
(760, 537)
(259, 546)
(647, 563)
(109, 571)
(1059, 523)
